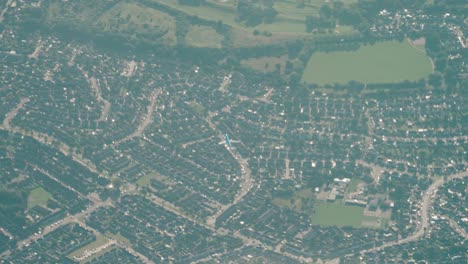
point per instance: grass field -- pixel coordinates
(301, 201)
(339, 214)
(384, 62)
(74, 12)
(119, 238)
(145, 180)
(204, 37)
(38, 196)
(289, 23)
(265, 64)
(293, 204)
(100, 240)
(352, 187)
(129, 19)
(100, 253)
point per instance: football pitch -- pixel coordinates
(385, 62)
(339, 214)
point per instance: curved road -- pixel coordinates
(427, 201)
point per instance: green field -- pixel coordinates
(289, 23)
(339, 214)
(204, 37)
(265, 64)
(145, 180)
(137, 21)
(100, 240)
(119, 238)
(352, 187)
(385, 62)
(293, 204)
(38, 196)
(130, 19)
(301, 201)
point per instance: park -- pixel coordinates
(384, 62)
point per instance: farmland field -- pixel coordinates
(385, 62)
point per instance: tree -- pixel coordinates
(435, 80)
(191, 2)
(300, 3)
(325, 11)
(288, 67)
(254, 12)
(116, 182)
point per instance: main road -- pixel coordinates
(427, 200)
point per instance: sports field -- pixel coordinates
(339, 214)
(385, 62)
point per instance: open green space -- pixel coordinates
(204, 37)
(385, 62)
(77, 13)
(119, 238)
(288, 24)
(146, 180)
(135, 20)
(339, 214)
(38, 196)
(100, 253)
(100, 240)
(265, 64)
(293, 204)
(289, 14)
(197, 107)
(352, 186)
(139, 21)
(300, 201)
